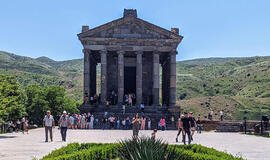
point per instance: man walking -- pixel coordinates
(48, 123)
(63, 124)
(221, 115)
(192, 124)
(186, 128)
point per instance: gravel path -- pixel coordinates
(19, 146)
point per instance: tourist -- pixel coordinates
(129, 100)
(149, 124)
(63, 124)
(91, 100)
(186, 127)
(179, 127)
(118, 123)
(75, 121)
(92, 121)
(123, 123)
(18, 125)
(211, 115)
(48, 123)
(221, 115)
(26, 126)
(11, 126)
(71, 120)
(136, 126)
(172, 120)
(127, 123)
(126, 99)
(104, 122)
(142, 107)
(143, 120)
(22, 124)
(124, 108)
(199, 125)
(162, 123)
(153, 135)
(133, 96)
(83, 121)
(193, 125)
(111, 120)
(88, 120)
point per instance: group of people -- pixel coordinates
(20, 125)
(211, 115)
(187, 125)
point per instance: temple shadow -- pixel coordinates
(2, 137)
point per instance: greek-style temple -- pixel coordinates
(131, 52)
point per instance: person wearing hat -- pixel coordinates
(63, 124)
(48, 123)
(192, 124)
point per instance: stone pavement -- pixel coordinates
(18, 146)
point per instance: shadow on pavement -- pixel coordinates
(2, 137)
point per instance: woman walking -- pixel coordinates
(136, 126)
(143, 120)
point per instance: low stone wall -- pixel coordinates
(228, 126)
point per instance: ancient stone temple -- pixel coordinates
(131, 52)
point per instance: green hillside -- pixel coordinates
(241, 82)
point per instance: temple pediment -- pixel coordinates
(130, 27)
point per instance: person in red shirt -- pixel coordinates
(162, 123)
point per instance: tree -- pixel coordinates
(11, 99)
(41, 99)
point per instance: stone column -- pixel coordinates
(103, 89)
(156, 83)
(139, 78)
(120, 76)
(172, 99)
(86, 77)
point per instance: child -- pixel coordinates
(154, 134)
(124, 109)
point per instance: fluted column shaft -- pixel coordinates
(172, 99)
(156, 80)
(103, 90)
(139, 78)
(120, 76)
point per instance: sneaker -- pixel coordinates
(176, 140)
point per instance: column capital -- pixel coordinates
(155, 52)
(103, 51)
(173, 52)
(139, 52)
(120, 52)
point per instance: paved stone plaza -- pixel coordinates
(18, 146)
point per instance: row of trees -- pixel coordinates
(32, 101)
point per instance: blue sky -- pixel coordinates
(211, 28)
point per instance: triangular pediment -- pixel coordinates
(129, 27)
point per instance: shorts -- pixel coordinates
(193, 129)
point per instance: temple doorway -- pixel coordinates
(129, 80)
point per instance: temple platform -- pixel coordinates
(155, 113)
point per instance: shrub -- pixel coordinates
(137, 149)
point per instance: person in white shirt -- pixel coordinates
(221, 115)
(48, 123)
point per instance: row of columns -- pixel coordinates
(156, 76)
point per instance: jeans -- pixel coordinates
(64, 133)
(187, 132)
(48, 129)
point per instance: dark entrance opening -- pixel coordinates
(130, 80)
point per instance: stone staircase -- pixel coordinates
(153, 112)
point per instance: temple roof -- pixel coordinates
(130, 27)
